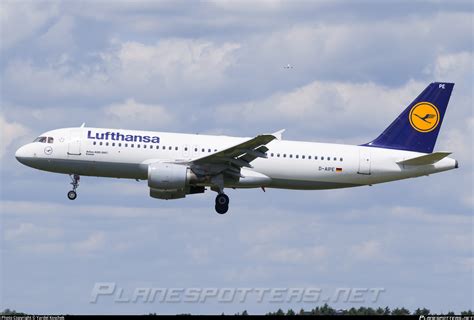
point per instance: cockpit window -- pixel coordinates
(50, 139)
(40, 139)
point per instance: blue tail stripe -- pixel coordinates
(417, 128)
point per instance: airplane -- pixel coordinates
(176, 164)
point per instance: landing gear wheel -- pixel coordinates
(222, 203)
(75, 184)
(72, 195)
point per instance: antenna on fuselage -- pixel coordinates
(83, 124)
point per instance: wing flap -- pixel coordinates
(425, 159)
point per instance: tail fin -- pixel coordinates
(417, 128)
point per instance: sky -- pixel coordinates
(217, 67)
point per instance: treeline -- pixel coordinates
(327, 310)
(8, 312)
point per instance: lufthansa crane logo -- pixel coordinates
(424, 117)
(48, 150)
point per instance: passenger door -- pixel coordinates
(74, 146)
(364, 161)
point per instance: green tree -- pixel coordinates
(419, 312)
(290, 312)
(400, 312)
(327, 310)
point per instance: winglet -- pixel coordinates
(278, 134)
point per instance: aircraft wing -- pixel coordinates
(232, 159)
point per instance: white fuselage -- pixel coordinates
(289, 164)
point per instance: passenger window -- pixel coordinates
(315, 157)
(284, 155)
(297, 156)
(113, 144)
(50, 140)
(271, 154)
(131, 145)
(169, 148)
(278, 155)
(157, 147)
(215, 150)
(340, 159)
(119, 144)
(322, 158)
(195, 149)
(309, 157)
(164, 148)
(202, 149)
(100, 143)
(138, 146)
(94, 143)
(144, 146)
(126, 145)
(335, 159)
(291, 156)
(106, 143)
(186, 149)
(302, 157)
(176, 148)
(208, 150)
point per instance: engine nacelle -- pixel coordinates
(168, 180)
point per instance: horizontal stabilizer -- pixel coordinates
(426, 159)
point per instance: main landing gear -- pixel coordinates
(222, 200)
(72, 195)
(222, 203)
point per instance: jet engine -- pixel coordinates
(171, 181)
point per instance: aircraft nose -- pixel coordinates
(21, 154)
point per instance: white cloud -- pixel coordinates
(59, 37)
(327, 106)
(371, 249)
(132, 113)
(454, 66)
(168, 68)
(23, 19)
(420, 215)
(175, 61)
(42, 248)
(9, 132)
(298, 255)
(94, 242)
(32, 232)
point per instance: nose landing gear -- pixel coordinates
(72, 195)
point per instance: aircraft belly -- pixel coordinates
(91, 168)
(308, 185)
